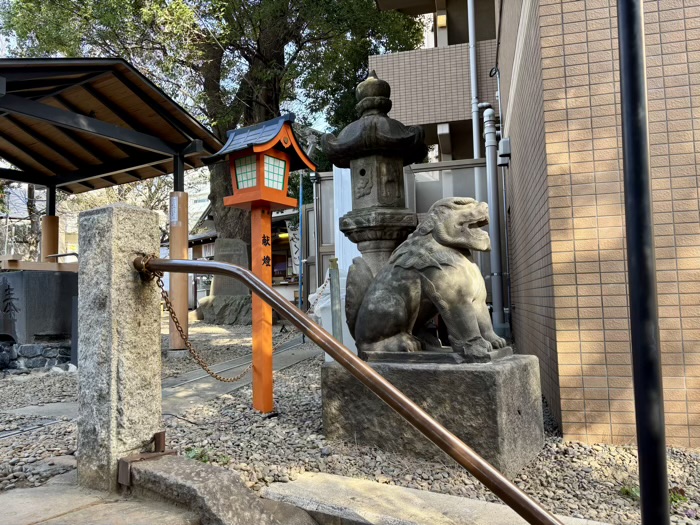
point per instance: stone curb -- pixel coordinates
(217, 495)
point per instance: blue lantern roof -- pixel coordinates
(257, 135)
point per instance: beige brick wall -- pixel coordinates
(431, 86)
(580, 78)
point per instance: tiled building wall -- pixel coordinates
(582, 123)
(529, 218)
(570, 295)
(431, 86)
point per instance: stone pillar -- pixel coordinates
(119, 341)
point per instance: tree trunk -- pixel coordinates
(257, 100)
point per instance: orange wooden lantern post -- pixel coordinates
(261, 157)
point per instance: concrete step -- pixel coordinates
(66, 504)
(337, 500)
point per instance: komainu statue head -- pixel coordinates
(457, 222)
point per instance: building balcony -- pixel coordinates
(432, 86)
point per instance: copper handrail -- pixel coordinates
(516, 499)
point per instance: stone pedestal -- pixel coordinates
(230, 251)
(495, 408)
(119, 340)
(377, 232)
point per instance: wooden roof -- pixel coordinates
(276, 133)
(83, 124)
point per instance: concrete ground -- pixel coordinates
(62, 502)
(336, 499)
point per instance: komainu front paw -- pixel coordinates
(475, 347)
(496, 342)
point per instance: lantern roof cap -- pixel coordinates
(276, 133)
(374, 133)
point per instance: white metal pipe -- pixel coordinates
(476, 128)
(473, 78)
(494, 219)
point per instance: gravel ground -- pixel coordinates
(30, 458)
(37, 388)
(568, 478)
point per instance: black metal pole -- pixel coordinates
(644, 323)
(179, 172)
(50, 200)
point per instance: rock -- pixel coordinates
(35, 362)
(57, 370)
(4, 360)
(30, 350)
(50, 351)
(226, 309)
(218, 495)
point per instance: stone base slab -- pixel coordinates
(443, 355)
(495, 408)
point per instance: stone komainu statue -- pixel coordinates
(429, 273)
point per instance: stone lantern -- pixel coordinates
(376, 148)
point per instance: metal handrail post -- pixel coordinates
(336, 313)
(511, 495)
(641, 264)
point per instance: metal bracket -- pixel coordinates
(124, 464)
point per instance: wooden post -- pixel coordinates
(49, 237)
(261, 265)
(178, 281)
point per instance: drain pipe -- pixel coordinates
(479, 192)
(508, 309)
(494, 220)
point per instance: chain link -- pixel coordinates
(158, 277)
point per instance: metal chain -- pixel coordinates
(158, 277)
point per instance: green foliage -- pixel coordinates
(199, 454)
(223, 460)
(677, 495)
(308, 187)
(342, 63)
(231, 62)
(630, 491)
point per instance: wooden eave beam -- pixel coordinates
(70, 120)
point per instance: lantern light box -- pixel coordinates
(261, 157)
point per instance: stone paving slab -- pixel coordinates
(49, 410)
(339, 500)
(66, 504)
(222, 368)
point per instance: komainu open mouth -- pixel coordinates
(479, 224)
